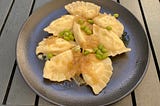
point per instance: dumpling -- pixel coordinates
(96, 73)
(59, 68)
(63, 23)
(53, 45)
(110, 40)
(105, 20)
(85, 41)
(78, 34)
(85, 9)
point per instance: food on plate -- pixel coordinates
(63, 23)
(81, 45)
(96, 73)
(110, 40)
(53, 45)
(85, 9)
(85, 40)
(110, 23)
(59, 68)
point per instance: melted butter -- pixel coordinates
(86, 66)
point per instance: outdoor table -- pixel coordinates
(15, 91)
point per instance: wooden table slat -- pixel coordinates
(5, 6)
(150, 84)
(39, 3)
(16, 18)
(43, 102)
(152, 14)
(114, 0)
(146, 94)
(20, 93)
(127, 101)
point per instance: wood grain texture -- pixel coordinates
(4, 10)
(127, 101)
(151, 15)
(16, 18)
(43, 102)
(114, 0)
(20, 93)
(40, 3)
(147, 93)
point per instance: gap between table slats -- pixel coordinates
(151, 39)
(6, 6)
(36, 98)
(20, 93)
(143, 96)
(9, 84)
(8, 45)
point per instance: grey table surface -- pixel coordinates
(15, 91)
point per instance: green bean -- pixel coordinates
(109, 28)
(100, 46)
(80, 21)
(116, 15)
(66, 33)
(86, 52)
(86, 28)
(99, 52)
(61, 34)
(66, 38)
(99, 56)
(95, 50)
(88, 32)
(105, 55)
(104, 50)
(90, 21)
(71, 37)
(49, 55)
(83, 27)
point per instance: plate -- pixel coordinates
(129, 68)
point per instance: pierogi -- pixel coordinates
(81, 45)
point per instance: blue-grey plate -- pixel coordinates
(128, 68)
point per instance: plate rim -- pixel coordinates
(51, 101)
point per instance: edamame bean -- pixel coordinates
(90, 21)
(116, 15)
(109, 28)
(49, 55)
(99, 56)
